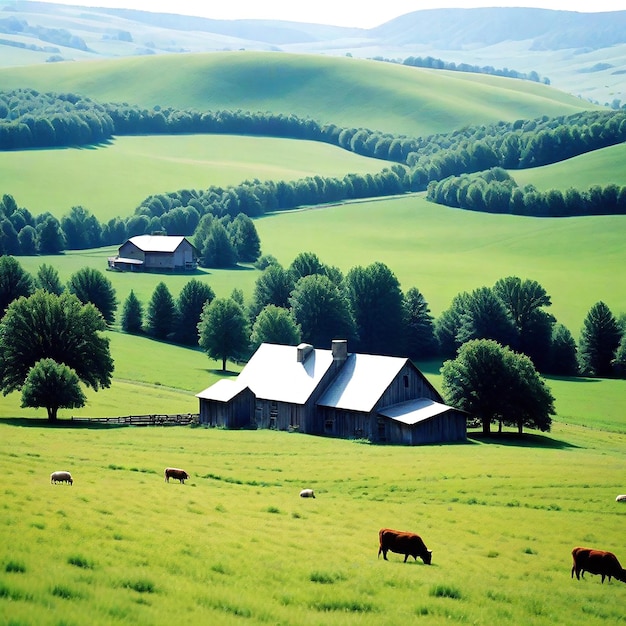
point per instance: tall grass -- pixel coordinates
(125, 546)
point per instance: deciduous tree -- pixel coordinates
(60, 328)
(190, 303)
(275, 325)
(223, 330)
(495, 384)
(14, 282)
(54, 386)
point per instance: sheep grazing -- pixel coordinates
(307, 493)
(61, 477)
(621, 498)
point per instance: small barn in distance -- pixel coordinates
(157, 253)
(333, 393)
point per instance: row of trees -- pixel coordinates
(313, 302)
(496, 191)
(434, 63)
(49, 337)
(223, 242)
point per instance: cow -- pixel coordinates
(621, 498)
(61, 477)
(405, 543)
(176, 473)
(597, 562)
(307, 493)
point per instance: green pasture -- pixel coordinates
(345, 91)
(236, 544)
(600, 167)
(112, 180)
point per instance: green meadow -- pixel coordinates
(112, 180)
(235, 544)
(348, 92)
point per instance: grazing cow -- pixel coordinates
(405, 543)
(307, 493)
(597, 562)
(61, 477)
(176, 473)
(620, 498)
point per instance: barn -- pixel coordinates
(333, 393)
(156, 253)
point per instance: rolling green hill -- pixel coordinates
(348, 92)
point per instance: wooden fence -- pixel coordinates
(178, 419)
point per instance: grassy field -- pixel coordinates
(236, 544)
(344, 91)
(112, 180)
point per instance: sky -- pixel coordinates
(355, 13)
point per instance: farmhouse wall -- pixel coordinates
(233, 414)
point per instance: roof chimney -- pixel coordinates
(303, 351)
(340, 350)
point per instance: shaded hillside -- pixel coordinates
(351, 93)
(581, 53)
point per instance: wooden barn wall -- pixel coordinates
(346, 424)
(407, 385)
(277, 415)
(234, 414)
(449, 426)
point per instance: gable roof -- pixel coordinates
(274, 373)
(362, 381)
(157, 243)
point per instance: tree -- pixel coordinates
(305, 264)
(599, 340)
(91, 285)
(223, 330)
(54, 386)
(321, 310)
(218, 250)
(275, 325)
(81, 229)
(419, 338)
(48, 279)
(493, 383)
(161, 312)
(49, 235)
(485, 317)
(619, 362)
(61, 328)
(245, 239)
(132, 314)
(14, 282)
(377, 305)
(524, 300)
(273, 286)
(191, 300)
(563, 359)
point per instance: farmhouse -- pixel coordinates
(155, 252)
(333, 393)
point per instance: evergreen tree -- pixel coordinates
(599, 340)
(48, 279)
(91, 285)
(191, 301)
(419, 340)
(14, 282)
(563, 353)
(132, 314)
(218, 250)
(161, 313)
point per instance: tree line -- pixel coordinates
(496, 191)
(434, 63)
(503, 332)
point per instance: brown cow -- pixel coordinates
(405, 543)
(176, 473)
(597, 562)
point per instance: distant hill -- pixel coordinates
(581, 53)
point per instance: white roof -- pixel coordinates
(415, 411)
(274, 373)
(223, 390)
(156, 243)
(361, 382)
